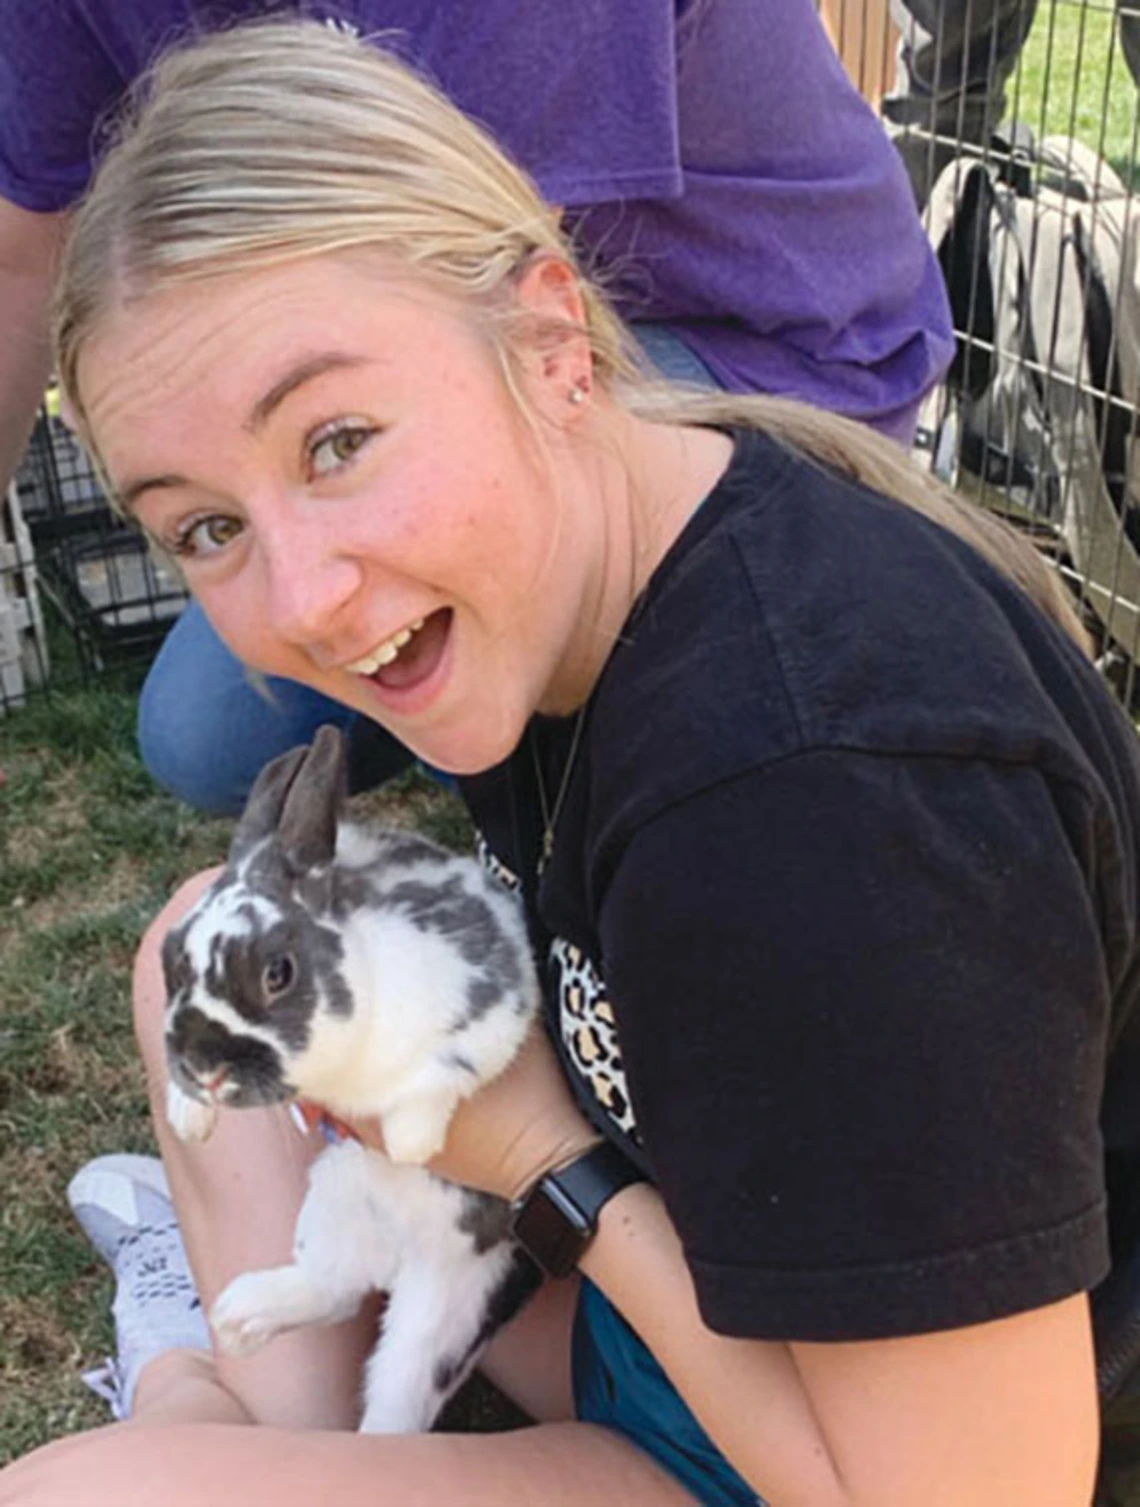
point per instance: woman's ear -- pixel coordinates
(554, 348)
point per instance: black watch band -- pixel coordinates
(556, 1220)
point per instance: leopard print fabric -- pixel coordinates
(589, 1031)
(586, 1020)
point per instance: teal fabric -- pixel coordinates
(618, 1384)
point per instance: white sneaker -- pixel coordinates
(123, 1204)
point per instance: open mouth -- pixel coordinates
(211, 1083)
(410, 657)
(205, 1085)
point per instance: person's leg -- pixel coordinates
(201, 1465)
(205, 728)
(955, 58)
(529, 1359)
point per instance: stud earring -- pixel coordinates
(577, 393)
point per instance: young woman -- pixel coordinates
(825, 820)
(688, 145)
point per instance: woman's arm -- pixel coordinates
(983, 1416)
(869, 1082)
(28, 247)
(987, 1415)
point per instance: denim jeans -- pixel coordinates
(955, 59)
(205, 728)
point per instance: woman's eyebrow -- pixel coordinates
(306, 370)
(128, 495)
(303, 371)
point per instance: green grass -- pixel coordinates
(89, 851)
(1073, 81)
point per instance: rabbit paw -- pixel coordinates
(413, 1134)
(258, 1305)
(398, 1414)
(248, 1313)
(190, 1119)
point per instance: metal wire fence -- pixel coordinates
(1019, 123)
(80, 592)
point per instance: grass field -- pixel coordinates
(1073, 80)
(89, 851)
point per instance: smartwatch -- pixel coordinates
(555, 1221)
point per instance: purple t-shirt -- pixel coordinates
(719, 170)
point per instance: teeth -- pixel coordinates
(386, 652)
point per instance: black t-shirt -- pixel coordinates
(840, 921)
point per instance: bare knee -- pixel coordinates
(149, 988)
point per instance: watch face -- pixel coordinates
(551, 1229)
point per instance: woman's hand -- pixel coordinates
(512, 1130)
(517, 1127)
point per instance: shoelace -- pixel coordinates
(150, 1266)
(108, 1382)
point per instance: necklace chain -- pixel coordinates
(550, 814)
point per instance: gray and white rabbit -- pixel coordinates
(378, 975)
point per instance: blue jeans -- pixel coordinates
(955, 59)
(205, 729)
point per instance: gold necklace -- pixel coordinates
(550, 814)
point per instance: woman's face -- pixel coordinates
(356, 501)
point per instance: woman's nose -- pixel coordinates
(310, 580)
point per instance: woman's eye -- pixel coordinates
(334, 449)
(204, 536)
(277, 974)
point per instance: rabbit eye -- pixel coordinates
(278, 974)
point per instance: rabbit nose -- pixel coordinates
(200, 1044)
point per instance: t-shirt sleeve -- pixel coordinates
(56, 83)
(863, 1008)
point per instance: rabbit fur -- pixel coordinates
(381, 976)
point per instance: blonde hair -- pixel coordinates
(285, 139)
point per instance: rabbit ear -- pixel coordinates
(265, 802)
(307, 828)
